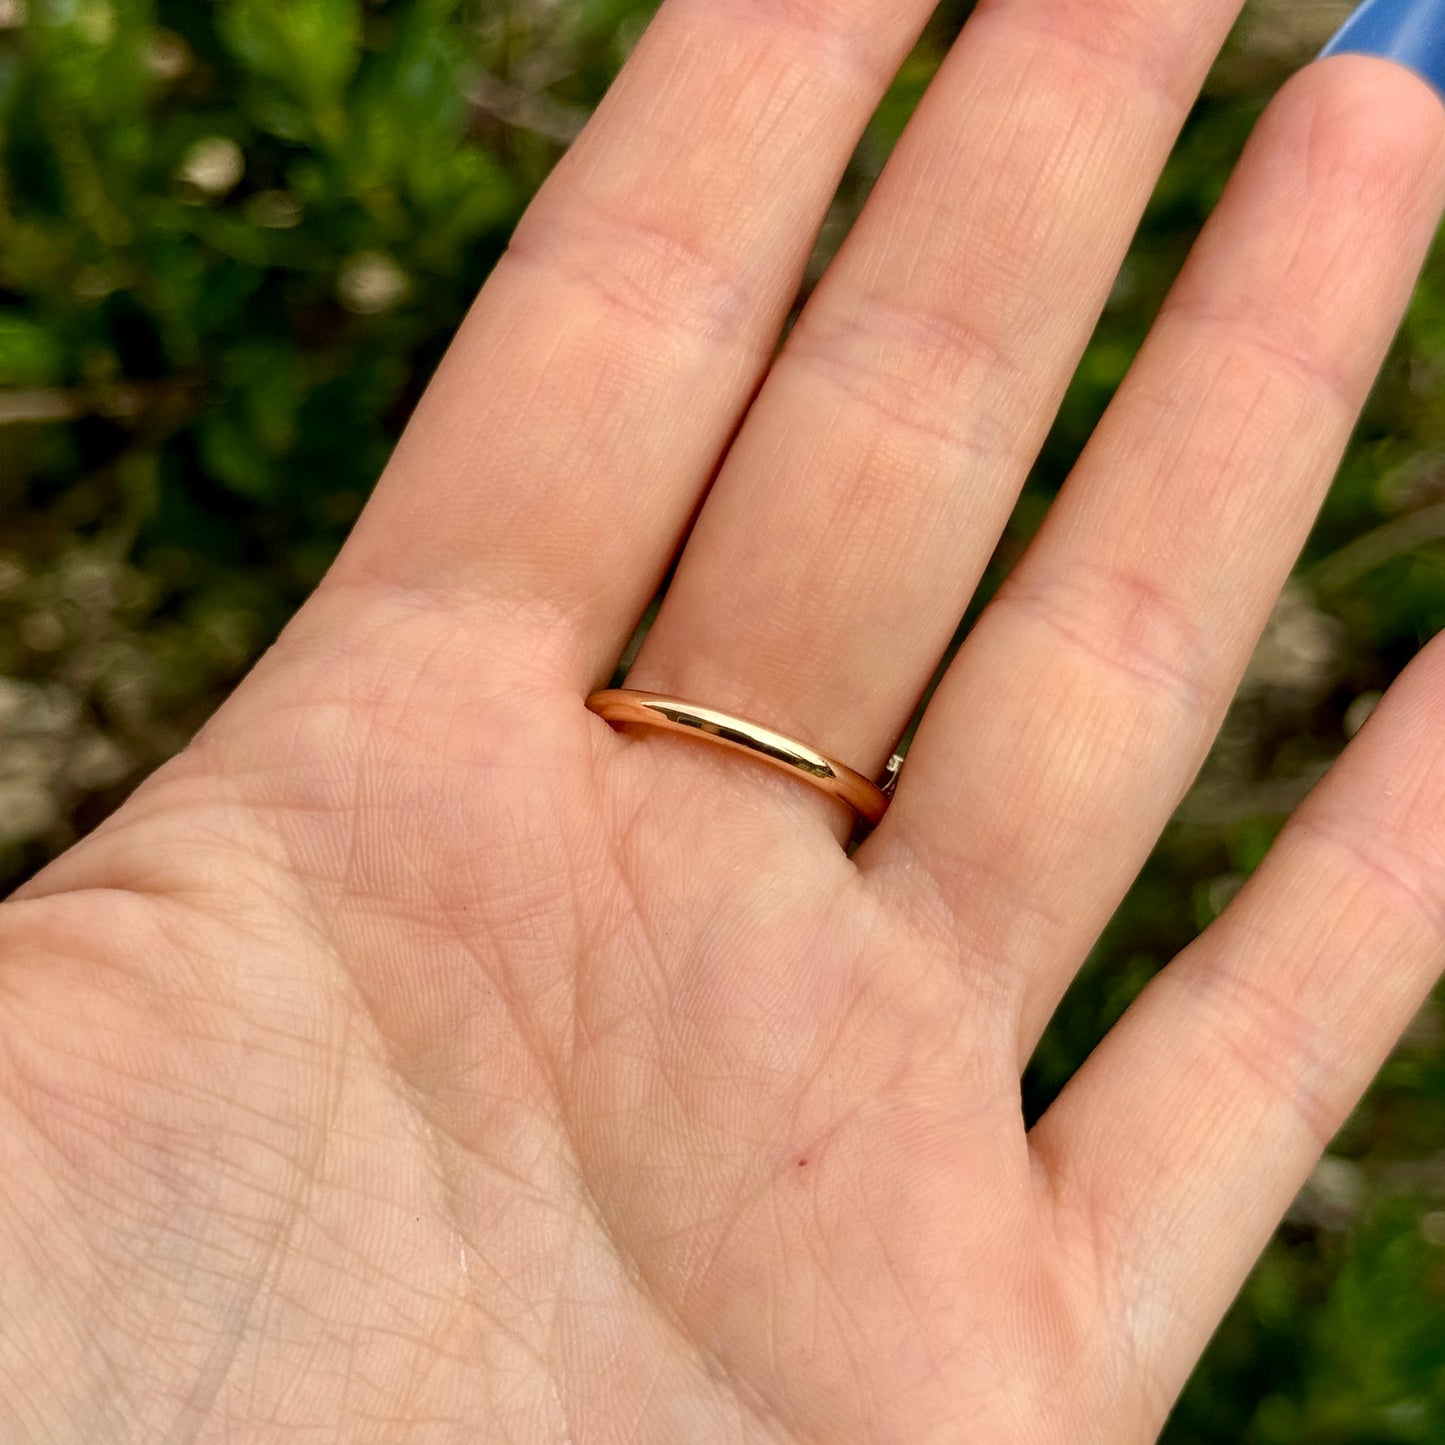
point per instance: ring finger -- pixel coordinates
(861, 501)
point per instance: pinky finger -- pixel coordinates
(1176, 1149)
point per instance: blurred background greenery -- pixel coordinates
(234, 239)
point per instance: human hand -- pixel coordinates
(415, 1058)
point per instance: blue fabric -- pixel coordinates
(1411, 32)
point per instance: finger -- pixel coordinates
(564, 444)
(1082, 705)
(869, 485)
(1178, 1146)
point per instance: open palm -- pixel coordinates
(418, 1058)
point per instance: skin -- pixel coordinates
(416, 1058)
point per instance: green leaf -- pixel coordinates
(30, 355)
(307, 50)
(233, 454)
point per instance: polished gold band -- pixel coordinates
(867, 799)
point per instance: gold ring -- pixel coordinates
(868, 799)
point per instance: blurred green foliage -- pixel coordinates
(234, 240)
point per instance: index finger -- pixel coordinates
(1201, 1115)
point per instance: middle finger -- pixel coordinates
(867, 489)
